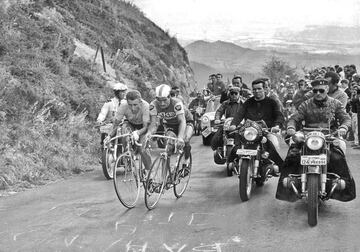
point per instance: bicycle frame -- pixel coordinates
(165, 154)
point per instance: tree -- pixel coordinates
(277, 69)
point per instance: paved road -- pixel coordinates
(83, 214)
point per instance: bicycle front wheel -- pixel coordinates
(155, 182)
(182, 175)
(126, 180)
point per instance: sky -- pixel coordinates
(233, 19)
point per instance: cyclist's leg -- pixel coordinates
(189, 130)
(144, 153)
(171, 131)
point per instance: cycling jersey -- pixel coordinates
(140, 118)
(169, 114)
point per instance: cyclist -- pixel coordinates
(136, 111)
(175, 117)
(110, 108)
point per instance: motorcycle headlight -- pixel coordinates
(205, 119)
(314, 142)
(298, 137)
(250, 133)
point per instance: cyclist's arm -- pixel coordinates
(145, 119)
(103, 113)
(153, 125)
(182, 125)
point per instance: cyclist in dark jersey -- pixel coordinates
(176, 118)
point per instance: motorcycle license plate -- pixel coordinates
(313, 160)
(206, 132)
(246, 152)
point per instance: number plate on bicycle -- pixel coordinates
(206, 132)
(246, 152)
(106, 128)
(313, 160)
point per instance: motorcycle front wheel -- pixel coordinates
(245, 179)
(313, 198)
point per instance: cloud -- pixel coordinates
(201, 19)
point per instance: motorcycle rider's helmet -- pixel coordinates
(162, 91)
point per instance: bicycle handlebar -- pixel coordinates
(125, 135)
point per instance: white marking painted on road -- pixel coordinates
(112, 244)
(18, 234)
(216, 247)
(117, 224)
(84, 212)
(170, 249)
(72, 240)
(236, 239)
(170, 216)
(136, 248)
(191, 219)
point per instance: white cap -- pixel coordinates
(162, 91)
(119, 86)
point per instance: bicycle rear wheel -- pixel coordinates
(155, 182)
(126, 180)
(182, 175)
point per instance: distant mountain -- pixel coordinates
(312, 39)
(202, 72)
(227, 57)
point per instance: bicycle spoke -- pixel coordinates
(182, 177)
(126, 180)
(155, 183)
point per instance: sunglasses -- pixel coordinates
(321, 91)
(234, 93)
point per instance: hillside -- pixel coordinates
(228, 57)
(51, 90)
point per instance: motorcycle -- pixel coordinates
(221, 154)
(197, 113)
(314, 182)
(252, 163)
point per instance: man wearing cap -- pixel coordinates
(257, 108)
(320, 111)
(228, 108)
(110, 108)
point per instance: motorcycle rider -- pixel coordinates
(261, 107)
(319, 111)
(110, 108)
(175, 117)
(229, 108)
(199, 101)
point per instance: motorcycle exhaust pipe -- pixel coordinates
(338, 184)
(290, 184)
